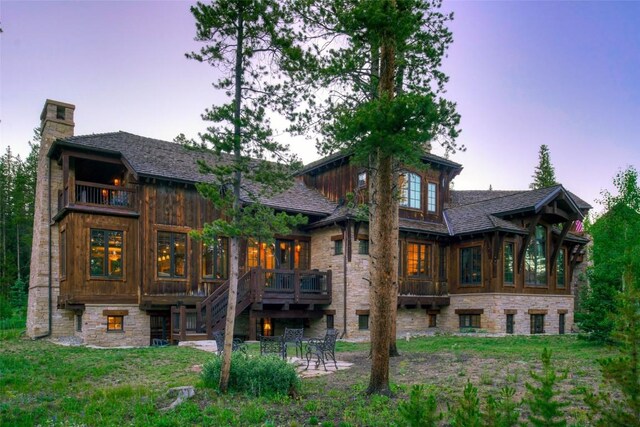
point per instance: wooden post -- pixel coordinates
(296, 285)
(198, 317)
(252, 326)
(329, 284)
(183, 323)
(209, 320)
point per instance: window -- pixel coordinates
(337, 248)
(469, 321)
(363, 322)
(63, 254)
(362, 179)
(418, 257)
(302, 256)
(560, 276)
(329, 321)
(442, 273)
(172, 255)
(261, 254)
(215, 259)
(508, 264)
(78, 322)
(537, 323)
(510, 322)
(433, 320)
(411, 191)
(535, 271)
(105, 258)
(115, 323)
(363, 247)
(561, 318)
(432, 190)
(471, 266)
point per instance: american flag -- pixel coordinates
(578, 227)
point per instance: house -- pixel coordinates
(113, 262)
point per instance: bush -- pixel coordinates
(421, 410)
(257, 376)
(6, 311)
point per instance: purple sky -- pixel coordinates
(523, 74)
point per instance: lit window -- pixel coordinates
(105, 258)
(560, 276)
(432, 190)
(215, 259)
(115, 323)
(302, 255)
(508, 264)
(471, 266)
(261, 254)
(535, 271)
(411, 191)
(418, 257)
(172, 255)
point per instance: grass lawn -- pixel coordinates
(45, 384)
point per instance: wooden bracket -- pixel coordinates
(527, 240)
(557, 247)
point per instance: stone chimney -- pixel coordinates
(43, 318)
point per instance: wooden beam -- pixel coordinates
(527, 240)
(554, 210)
(497, 243)
(557, 247)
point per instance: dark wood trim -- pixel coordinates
(510, 311)
(88, 156)
(527, 240)
(558, 246)
(563, 311)
(537, 311)
(115, 312)
(362, 312)
(329, 312)
(337, 237)
(469, 311)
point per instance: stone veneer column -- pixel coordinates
(56, 123)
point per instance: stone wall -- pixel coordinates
(136, 326)
(494, 318)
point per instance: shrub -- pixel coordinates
(546, 409)
(421, 409)
(503, 410)
(466, 411)
(6, 311)
(257, 376)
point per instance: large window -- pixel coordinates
(411, 191)
(535, 271)
(106, 253)
(172, 255)
(432, 190)
(302, 255)
(215, 259)
(418, 260)
(560, 268)
(471, 266)
(508, 264)
(469, 321)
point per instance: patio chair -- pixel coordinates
(323, 349)
(238, 344)
(272, 345)
(293, 336)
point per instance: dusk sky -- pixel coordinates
(523, 74)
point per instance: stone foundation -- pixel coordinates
(136, 326)
(496, 306)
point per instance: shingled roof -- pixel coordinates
(154, 158)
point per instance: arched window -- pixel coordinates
(535, 268)
(411, 191)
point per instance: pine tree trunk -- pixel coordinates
(383, 239)
(235, 246)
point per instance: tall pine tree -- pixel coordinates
(544, 174)
(379, 62)
(247, 42)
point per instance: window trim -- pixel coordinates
(203, 265)
(406, 187)
(470, 284)
(339, 245)
(532, 317)
(362, 319)
(428, 260)
(114, 316)
(172, 231)
(120, 278)
(471, 317)
(435, 197)
(513, 264)
(533, 241)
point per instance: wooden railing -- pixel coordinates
(256, 285)
(420, 287)
(90, 193)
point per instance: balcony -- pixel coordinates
(423, 292)
(91, 196)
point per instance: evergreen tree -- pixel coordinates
(466, 411)
(544, 174)
(247, 42)
(380, 62)
(543, 403)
